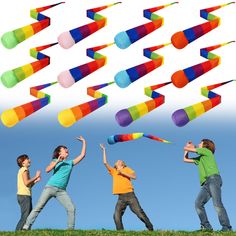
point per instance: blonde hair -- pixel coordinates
(123, 163)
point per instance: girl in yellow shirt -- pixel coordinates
(24, 185)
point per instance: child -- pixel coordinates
(24, 185)
(210, 181)
(122, 187)
(56, 186)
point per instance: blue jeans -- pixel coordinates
(25, 203)
(129, 199)
(212, 189)
(62, 196)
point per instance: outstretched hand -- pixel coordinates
(37, 180)
(102, 146)
(80, 138)
(38, 174)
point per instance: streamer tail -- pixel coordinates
(13, 116)
(70, 116)
(12, 77)
(183, 116)
(12, 38)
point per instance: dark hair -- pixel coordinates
(207, 143)
(57, 151)
(20, 159)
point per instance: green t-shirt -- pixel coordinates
(206, 164)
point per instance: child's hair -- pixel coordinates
(57, 151)
(207, 143)
(20, 159)
(122, 163)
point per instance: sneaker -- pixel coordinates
(25, 227)
(208, 229)
(225, 229)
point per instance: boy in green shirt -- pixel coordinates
(210, 181)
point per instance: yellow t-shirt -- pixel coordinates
(121, 184)
(22, 189)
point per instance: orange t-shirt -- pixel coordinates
(121, 184)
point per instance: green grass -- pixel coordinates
(113, 233)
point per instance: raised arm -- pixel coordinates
(83, 151)
(186, 158)
(53, 164)
(102, 146)
(29, 182)
(131, 176)
(189, 147)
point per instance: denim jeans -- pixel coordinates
(25, 203)
(62, 196)
(212, 189)
(129, 199)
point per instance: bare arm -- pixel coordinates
(131, 176)
(190, 149)
(105, 157)
(186, 158)
(83, 151)
(53, 164)
(29, 182)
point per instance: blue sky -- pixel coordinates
(166, 187)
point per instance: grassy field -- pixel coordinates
(113, 233)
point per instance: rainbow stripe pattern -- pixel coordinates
(182, 77)
(13, 116)
(12, 38)
(183, 116)
(68, 39)
(125, 77)
(13, 77)
(130, 137)
(126, 116)
(182, 38)
(125, 38)
(70, 116)
(67, 78)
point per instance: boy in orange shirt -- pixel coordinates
(122, 187)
